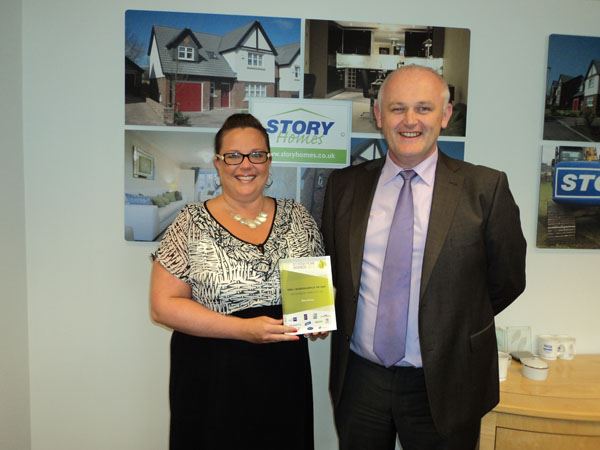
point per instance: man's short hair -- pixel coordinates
(445, 92)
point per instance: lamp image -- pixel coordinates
(428, 44)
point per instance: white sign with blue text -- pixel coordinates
(308, 133)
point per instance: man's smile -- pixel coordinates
(410, 134)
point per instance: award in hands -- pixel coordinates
(307, 294)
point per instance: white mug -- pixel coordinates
(566, 347)
(503, 363)
(547, 346)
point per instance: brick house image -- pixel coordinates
(564, 90)
(578, 96)
(193, 71)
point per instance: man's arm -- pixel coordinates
(505, 247)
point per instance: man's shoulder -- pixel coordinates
(351, 172)
(469, 170)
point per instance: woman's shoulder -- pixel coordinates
(193, 214)
(289, 204)
(293, 210)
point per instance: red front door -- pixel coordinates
(188, 96)
(225, 95)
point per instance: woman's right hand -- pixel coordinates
(264, 330)
(171, 305)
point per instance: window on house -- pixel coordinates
(256, 90)
(589, 102)
(296, 71)
(255, 59)
(591, 83)
(185, 53)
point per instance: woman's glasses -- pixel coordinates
(236, 158)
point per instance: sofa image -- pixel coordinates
(147, 217)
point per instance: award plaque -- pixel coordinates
(307, 294)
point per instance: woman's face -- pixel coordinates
(245, 181)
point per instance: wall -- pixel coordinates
(287, 79)
(238, 60)
(317, 55)
(14, 349)
(456, 62)
(166, 171)
(98, 367)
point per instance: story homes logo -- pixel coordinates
(299, 131)
(309, 133)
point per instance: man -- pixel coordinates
(466, 263)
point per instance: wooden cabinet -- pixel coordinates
(560, 413)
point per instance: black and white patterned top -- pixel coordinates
(227, 274)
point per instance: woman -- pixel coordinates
(237, 379)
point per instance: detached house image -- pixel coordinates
(192, 71)
(572, 109)
(288, 71)
(564, 90)
(591, 87)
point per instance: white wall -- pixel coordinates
(238, 60)
(155, 68)
(98, 367)
(287, 79)
(185, 184)
(14, 348)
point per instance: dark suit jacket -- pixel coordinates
(473, 268)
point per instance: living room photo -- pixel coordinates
(159, 178)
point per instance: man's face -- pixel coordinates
(411, 115)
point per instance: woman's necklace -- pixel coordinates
(251, 223)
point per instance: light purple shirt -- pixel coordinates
(380, 220)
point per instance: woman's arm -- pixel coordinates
(171, 305)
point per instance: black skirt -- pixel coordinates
(229, 394)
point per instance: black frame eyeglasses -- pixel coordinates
(236, 158)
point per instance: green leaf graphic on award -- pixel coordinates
(307, 294)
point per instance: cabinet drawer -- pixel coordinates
(510, 439)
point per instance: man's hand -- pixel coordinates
(315, 336)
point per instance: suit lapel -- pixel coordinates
(446, 193)
(364, 190)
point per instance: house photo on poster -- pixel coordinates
(572, 107)
(349, 61)
(569, 196)
(313, 181)
(182, 173)
(184, 69)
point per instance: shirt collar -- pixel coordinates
(425, 169)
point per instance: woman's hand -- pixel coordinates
(171, 305)
(315, 336)
(264, 330)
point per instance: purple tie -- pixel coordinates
(389, 342)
